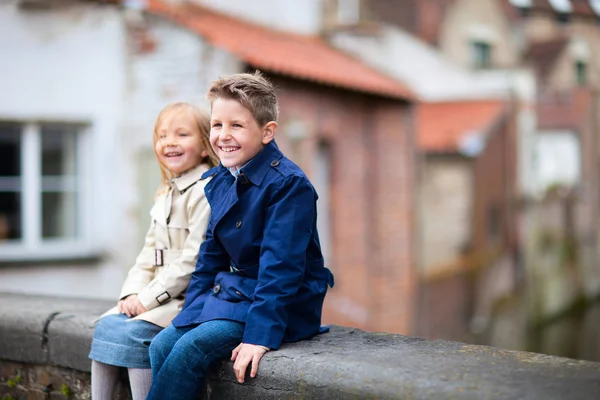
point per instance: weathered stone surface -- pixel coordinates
(27, 321)
(343, 364)
(69, 340)
(351, 364)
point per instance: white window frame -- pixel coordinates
(31, 246)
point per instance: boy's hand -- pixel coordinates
(243, 355)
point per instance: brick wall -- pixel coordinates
(371, 198)
(23, 381)
(494, 188)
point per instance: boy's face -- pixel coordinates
(235, 135)
(179, 145)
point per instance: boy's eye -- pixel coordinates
(183, 134)
(237, 126)
(162, 136)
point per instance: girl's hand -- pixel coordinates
(132, 306)
(121, 306)
(243, 355)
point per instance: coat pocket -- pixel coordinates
(234, 287)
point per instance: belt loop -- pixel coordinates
(158, 258)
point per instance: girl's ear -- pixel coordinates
(269, 132)
(204, 154)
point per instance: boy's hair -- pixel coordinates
(202, 120)
(253, 91)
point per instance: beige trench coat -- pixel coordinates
(178, 227)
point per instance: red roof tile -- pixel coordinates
(299, 56)
(442, 126)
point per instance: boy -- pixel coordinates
(260, 279)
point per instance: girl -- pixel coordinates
(154, 290)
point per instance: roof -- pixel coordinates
(445, 127)
(299, 56)
(543, 55)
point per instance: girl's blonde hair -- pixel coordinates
(202, 120)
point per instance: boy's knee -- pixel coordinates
(158, 345)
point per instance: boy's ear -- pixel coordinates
(269, 132)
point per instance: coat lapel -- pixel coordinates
(222, 198)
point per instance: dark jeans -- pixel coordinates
(181, 357)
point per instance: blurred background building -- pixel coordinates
(454, 145)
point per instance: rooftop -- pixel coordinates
(299, 56)
(447, 127)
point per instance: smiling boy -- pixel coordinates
(260, 278)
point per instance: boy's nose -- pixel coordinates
(225, 134)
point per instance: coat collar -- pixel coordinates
(258, 167)
(189, 178)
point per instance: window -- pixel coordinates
(581, 72)
(481, 54)
(322, 182)
(41, 202)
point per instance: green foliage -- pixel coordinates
(7, 397)
(14, 381)
(65, 390)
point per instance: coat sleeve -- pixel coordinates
(175, 277)
(142, 272)
(287, 231)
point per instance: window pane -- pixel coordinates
(481, 54)
(10, 215)
(59, 155)
(59, 181)
(10, 181)
(59, 215)
(10, 149)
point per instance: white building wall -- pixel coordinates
(74, 64)
(67, 65)
(294, 16)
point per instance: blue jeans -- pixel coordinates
(181, 357)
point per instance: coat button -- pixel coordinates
(238, 224)
(274, 163)
(216, 288)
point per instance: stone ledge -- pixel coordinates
(343, 364)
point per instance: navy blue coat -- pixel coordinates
(261, 262)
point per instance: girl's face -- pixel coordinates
(179, 146)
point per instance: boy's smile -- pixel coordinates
(235, 135)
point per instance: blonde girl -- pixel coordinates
(154, 290)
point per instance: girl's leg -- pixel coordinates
(140, 380)
(104, 380)
(182, 374)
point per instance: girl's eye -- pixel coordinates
(216, 125)
(162, 136)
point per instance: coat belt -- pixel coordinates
(160, 257)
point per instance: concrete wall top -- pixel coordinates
(344, 364)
